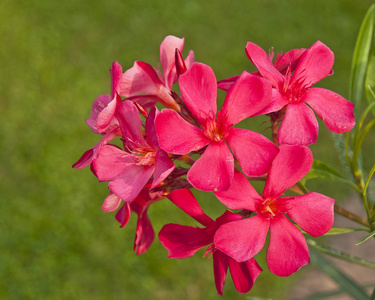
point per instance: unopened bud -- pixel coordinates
(180, 63)
(141, 109)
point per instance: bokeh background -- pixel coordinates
(55, 56)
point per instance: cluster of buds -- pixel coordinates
(190, 144)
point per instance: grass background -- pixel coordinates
(55, 241)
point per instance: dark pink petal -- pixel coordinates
(131, 182)
(151, 137)
(198, 88)
(185, 200)
(213, 171)
(144, 234)
(123, 214)
(163, 167)
(145, 100)
(183, 241)
(91, 154)
(299, 126)
(116, 75)
(290, 166)
(131, 125)
(227, 83)
(248, 95)
(111, 203)
(244, 274)
(313, 212)
(99, 104)
(240, 195)
(335, 111)
(254, 152)
(277, 103)
(106, 118)
(291, 58)
(176, 135)
(167, 58)
(221, 263)
(112, 163)
(263, 63)
(287, 251)
(242, 239)
(315, 64)
(140, 79)
(226, 217)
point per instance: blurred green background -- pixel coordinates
(55, 57)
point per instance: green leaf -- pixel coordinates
(361, 56)
(366, 238)
(339, 254)
(321, 170)
(341, 279)
(370, 81)
(336, 231)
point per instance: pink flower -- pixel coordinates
(147, 86)
(128, 171)
(214, 169)
(144, 233)
(183, 241)
(313, 212)
(293, 91)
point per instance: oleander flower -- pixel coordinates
(214, 168)
(294, 94)
(184, 241)
(313, 212)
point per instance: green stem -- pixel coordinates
(349, 215)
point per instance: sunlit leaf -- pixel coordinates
(366, 238)
(336, 231)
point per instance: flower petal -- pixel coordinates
(240, 195)
(176, 135)
(163, 167)
(290, 58)
(226, 84)
(248, 95)
(183, 241)
(299, 126)
(244, 274)
(264, 64)
(254, 152)
(111, 203)
(335, 111)
(313, 212)
(185, 200)
(123, 214)
(213, 171)
(290, 166)
(198, 88)
(277, 103)
(167, 58)
(221, 262)
(144, 234)
(287, 251)
(106, 118)
(131, 125)
(99, 104)
(116, 74)
(139, 79)
(242, 239)
(315, 64)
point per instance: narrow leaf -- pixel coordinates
(360, 57)
(341, 279)
(340, 254)
(336, 231)
(366, 238)
(370, 81)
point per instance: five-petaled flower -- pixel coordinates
(183, 241)
(291, 92)
(214, 169)
(313, 212)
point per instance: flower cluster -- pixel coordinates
(192, 144)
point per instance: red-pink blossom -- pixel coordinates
(128, 171)
(287, 250)
(214, 169)
(292, 91)
(183, 241)
(146, 85)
